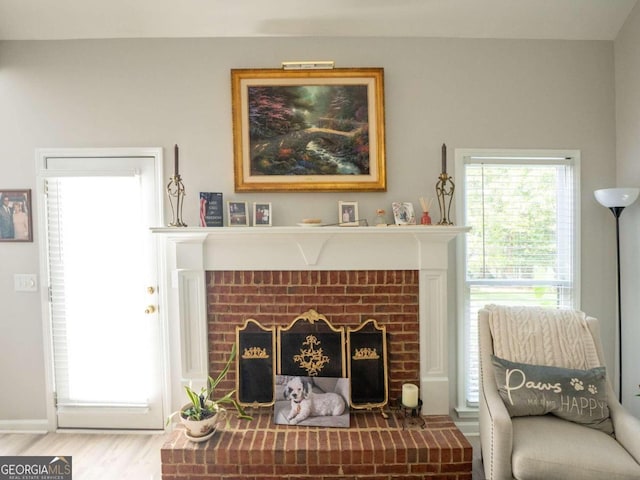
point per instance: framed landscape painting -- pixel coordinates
(308, 130)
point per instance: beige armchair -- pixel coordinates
(547, 447)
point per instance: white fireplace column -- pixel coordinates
(433, 263)
(191, 252)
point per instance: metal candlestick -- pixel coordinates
(444, 190)
(175, 189)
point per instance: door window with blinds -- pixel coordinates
(101, 267)
(523, 245)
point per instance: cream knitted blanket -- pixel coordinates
(542, 336)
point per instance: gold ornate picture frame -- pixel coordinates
(308, 130)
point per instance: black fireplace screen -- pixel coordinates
(310, 346)
(367, 347)
(255, 362)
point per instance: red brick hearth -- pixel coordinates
(372, 449)
(346, 298)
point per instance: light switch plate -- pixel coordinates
(25, 282)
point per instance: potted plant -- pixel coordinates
(203, 412)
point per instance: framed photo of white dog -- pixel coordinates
(312, 401)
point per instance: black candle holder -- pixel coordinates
(411, 417)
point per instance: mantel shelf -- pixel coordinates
(331, 247)
(414, 230)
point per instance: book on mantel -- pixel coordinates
(211, 211)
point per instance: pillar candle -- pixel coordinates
(175, 149)
(409, 395)
(444, 158)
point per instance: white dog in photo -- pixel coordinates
(305, 403)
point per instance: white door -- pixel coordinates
(101, 265)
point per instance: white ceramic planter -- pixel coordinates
(200, 428)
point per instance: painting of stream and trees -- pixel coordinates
(308, 130)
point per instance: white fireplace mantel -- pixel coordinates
(193, 251)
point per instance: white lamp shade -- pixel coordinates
(616, 197)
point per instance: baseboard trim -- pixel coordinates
(24, 426)
(469, 428)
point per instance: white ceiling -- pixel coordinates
(534, 19)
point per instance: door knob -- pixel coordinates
(151, 290)
(150, 309)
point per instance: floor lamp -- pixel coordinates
(616, 199)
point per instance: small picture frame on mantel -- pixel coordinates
(348, 214)
(403, 213)
(237, 214)
(262, 216)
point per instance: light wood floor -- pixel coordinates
(94, 456)
(102, 456)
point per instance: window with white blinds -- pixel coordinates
(523, 245)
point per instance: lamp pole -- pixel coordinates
(616, 199)
(616, 212)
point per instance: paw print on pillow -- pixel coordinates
(592, 389)
(577, 384)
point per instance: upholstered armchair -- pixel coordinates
(542, 445)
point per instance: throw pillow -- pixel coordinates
(576, 395)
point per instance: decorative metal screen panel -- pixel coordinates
(255, 364)
(310, 346)
(367, 360)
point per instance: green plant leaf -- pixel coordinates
(214, 383)
(199, 407)
(193, 396)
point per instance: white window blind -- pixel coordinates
(522, 246)
(88, 332)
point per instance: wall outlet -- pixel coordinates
(25, 282)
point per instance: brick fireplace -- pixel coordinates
(347, 298)
(398, 276)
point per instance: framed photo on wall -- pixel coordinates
(262, 216)
(237, 214)
(348, 214)
(16, 216)
(308, 130)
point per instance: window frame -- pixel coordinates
(464, 408)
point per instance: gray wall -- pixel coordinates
(467, 93)
(627, 59)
